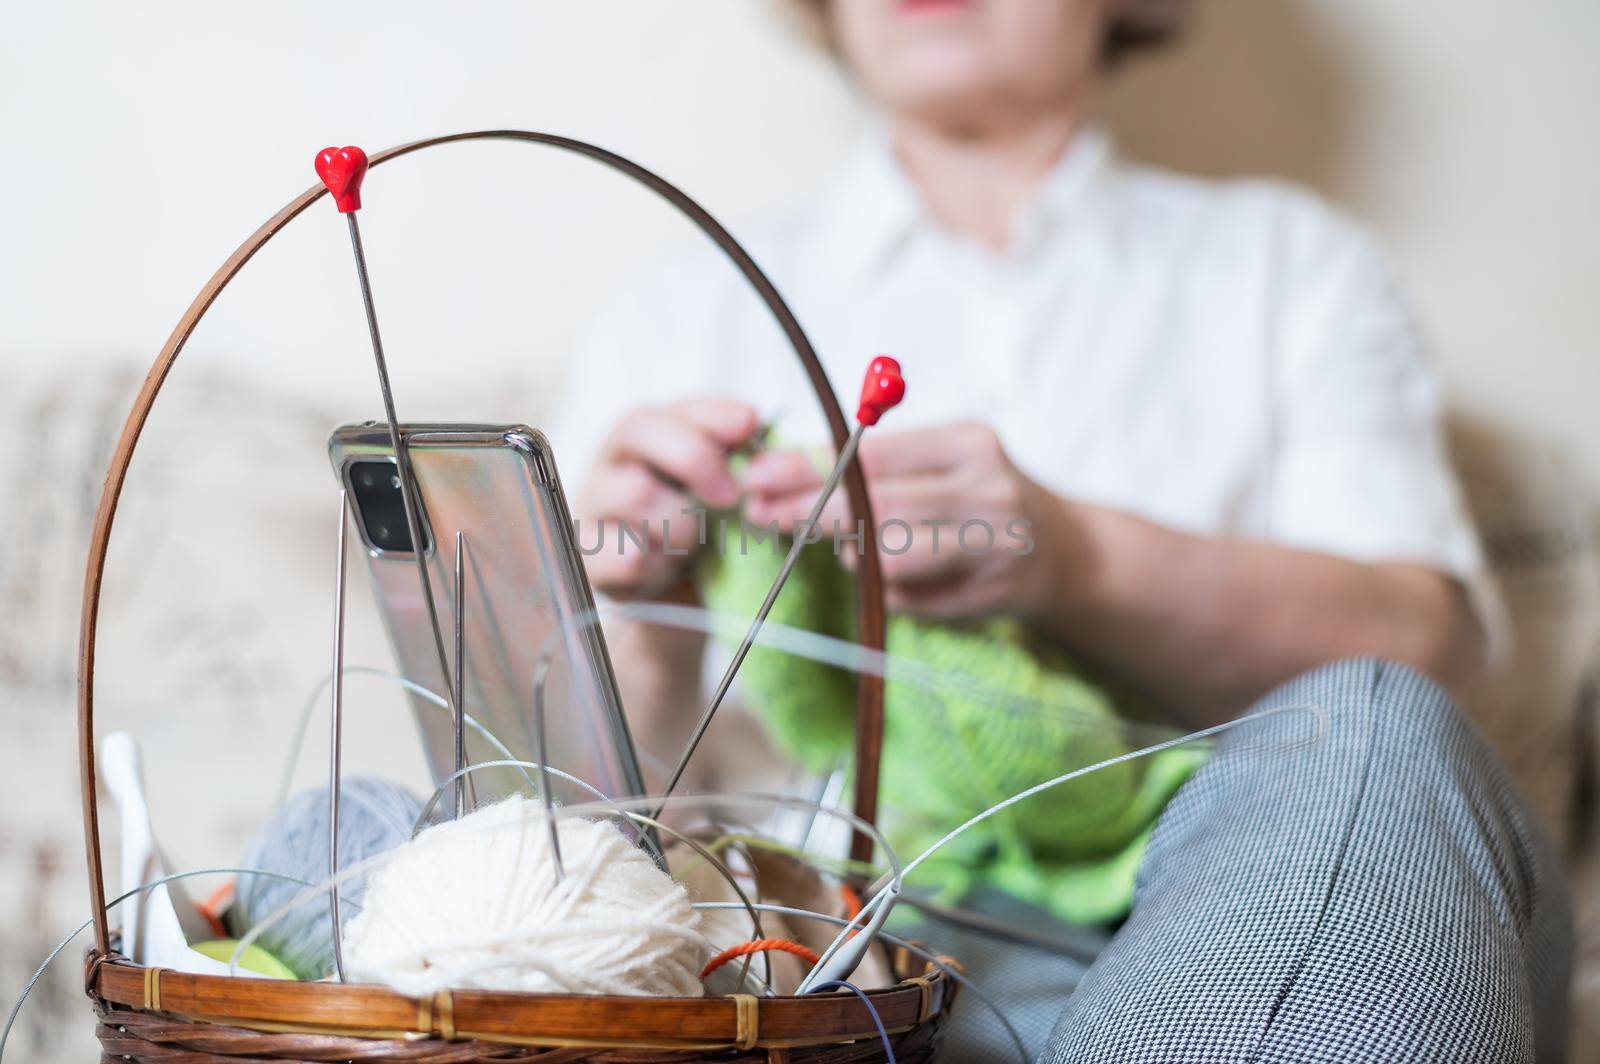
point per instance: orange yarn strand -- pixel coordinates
(211, 908)
(852, 906)
(759, 945)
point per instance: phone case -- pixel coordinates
(526, 598)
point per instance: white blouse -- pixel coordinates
(1224, 358)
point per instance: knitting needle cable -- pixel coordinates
(899, 943)
(510, 762)
(978, 923)
(604, 807)
(887, 888)
(721, 868)
(438, 793)
(872, 1010)
(717, 865)
(853, 657)
(38, 974)
(690, 801)
(847, 655)
(545, 772)
(433, 698)
(796, 641)
(845, 952)
(1196, 736)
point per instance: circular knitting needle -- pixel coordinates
(882, 389)
(541, 674)
(336, 738)
(342, 170)
(458, 719)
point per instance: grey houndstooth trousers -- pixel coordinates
(1377, 894)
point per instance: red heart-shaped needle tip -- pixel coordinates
(882, 389)
(342, 170)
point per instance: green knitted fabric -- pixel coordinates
(1002, 713)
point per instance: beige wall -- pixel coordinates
(1464, 132)
(1461, 129)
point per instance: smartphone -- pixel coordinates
(493, 490)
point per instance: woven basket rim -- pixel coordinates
(741, 1021)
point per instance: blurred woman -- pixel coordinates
(1205, 397)
(1209, 406)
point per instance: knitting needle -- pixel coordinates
(461, 671)
(336, 743)
(541, 674)
(541, 679)
(342, 170)
(882, 389)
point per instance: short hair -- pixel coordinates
(1133, 25)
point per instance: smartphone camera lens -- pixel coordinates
(380, 506)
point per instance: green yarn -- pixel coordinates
(1006, 712)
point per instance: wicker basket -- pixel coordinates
(150, 1014)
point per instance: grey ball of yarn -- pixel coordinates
(375, 815)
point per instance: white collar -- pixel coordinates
(871, 207)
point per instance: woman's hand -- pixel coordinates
(657, 463)
(1204, 624)
(962, 531)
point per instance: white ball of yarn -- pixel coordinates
(475, 903)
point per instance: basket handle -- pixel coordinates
(869, 584)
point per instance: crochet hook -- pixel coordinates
(881, 390)
(342, 170)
